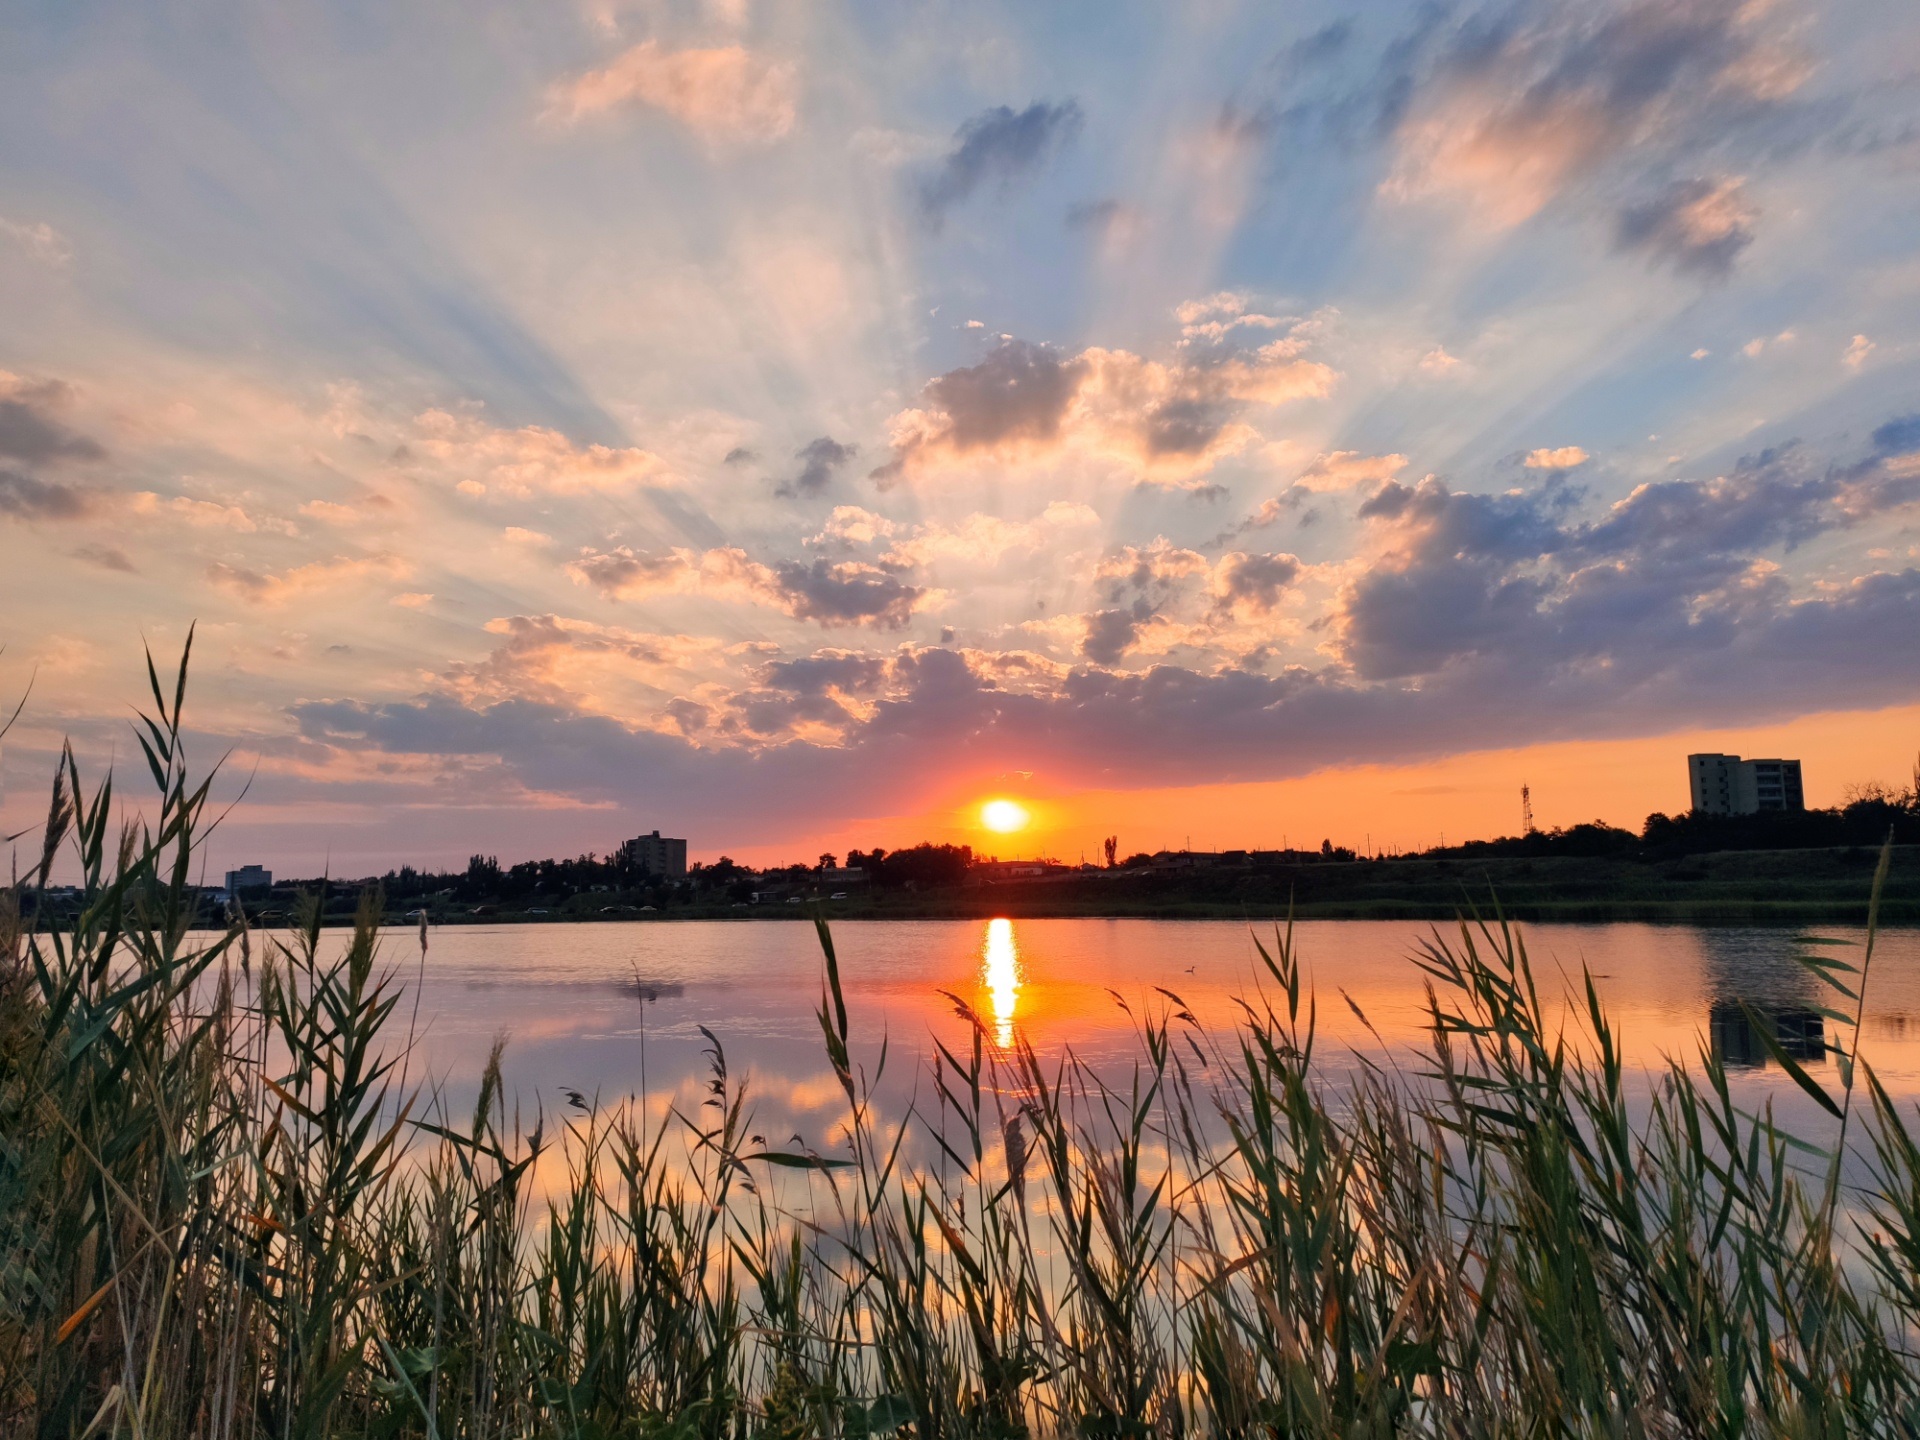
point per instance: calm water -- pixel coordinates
(614, 1010)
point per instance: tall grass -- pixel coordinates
(228, 1208)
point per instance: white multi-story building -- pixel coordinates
(1728, 785)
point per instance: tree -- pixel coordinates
(1112, 846)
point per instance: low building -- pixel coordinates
(1728, 785)
(249, 877)
(658, 855)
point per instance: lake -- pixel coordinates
(614, 1010)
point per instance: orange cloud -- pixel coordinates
(532, 460)
(1564, 458)
(267, 588)
(1344, 469)
(725, 94)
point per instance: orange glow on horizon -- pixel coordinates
(1474, 795)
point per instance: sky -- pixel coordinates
(789, 424)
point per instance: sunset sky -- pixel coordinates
(790, 425)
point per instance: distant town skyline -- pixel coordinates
(796, 426)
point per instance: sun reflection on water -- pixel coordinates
(1000, 960)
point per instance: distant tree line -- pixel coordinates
(1867, 817)
(589, 882)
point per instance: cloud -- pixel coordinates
(849, 525)
(330, 512)
(37, 240)
(533, 460)
(1897, 436)
(204, 514)
(1566, 457)
(29, 430)
(1757, 346)
(1256, 583)
(1697, 226)
(848, 593)
(1344, 469)
(912, 721)
(1467, 620)
(561, 660)
(623, 573)
(982, 539)
(106, 557)
(740, 455)
(1109, 634)
(1454, 575)
(1506, 114)
(266, 588)
(825, 592)
(820, 460)
(1438, 362)
(1152, 572)
(725, 95)
(1216, 316)
(1857, 351)
(1168, 423)
(24, 498)
(821, 696)
(997, 146)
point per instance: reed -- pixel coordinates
(228, 1207)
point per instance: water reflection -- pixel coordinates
(1754, 976)
(1000, 965)
(1801, 1034)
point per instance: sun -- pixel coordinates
(1005, 816)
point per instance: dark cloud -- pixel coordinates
(849, 593)
(29, 432)
(1671, 569)
(1697, 226)
(850, 671)
(1774, 498)
(1188, 424)
(740, 455)
(624, 571)
(807, 690)
(1255, 582)
(820, 459)
(107, 557)
(1110, 634)
(1171, 421)
(24, 498)
(997, 146)
(1019, 392)
(689, 715)
(1897, 437)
